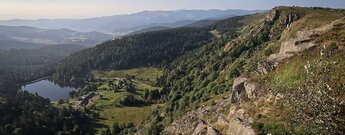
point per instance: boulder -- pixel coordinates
(242, 90)
(238, 123)
(265, 67)
(200, 129)
(250, 88)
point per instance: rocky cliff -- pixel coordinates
(289, 80)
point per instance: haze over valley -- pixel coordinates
(188, 67)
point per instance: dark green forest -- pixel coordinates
(155, 49)
(23, 113)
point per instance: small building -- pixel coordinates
(86, 98)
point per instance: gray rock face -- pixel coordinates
(201, 129)
(250, 88)
(238, 89)
(265, 67)
(273, 15)
(238, 123)
(301, 43)
(242, 90)
(211, 131)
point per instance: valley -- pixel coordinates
(112, 88)
(275, 72)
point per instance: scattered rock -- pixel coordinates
(271, 98)
(222, 120)
(265, 67)
(302, 42)
(201, 129)
(238, 124)
(211, 131)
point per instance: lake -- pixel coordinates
(49, 89)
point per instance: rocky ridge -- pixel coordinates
(220, 118)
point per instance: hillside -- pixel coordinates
(23, 37)
(268, 73)
(157, 28)
(201, 23)
(148, 49)
(8, 43)
(24, 58)
(273, 74)
(277, 72)
(25, 113)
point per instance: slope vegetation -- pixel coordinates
(148, 49)
(270, 73)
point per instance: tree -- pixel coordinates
(129, 88)
(106, 132)
(115, 128)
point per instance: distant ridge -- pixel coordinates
(124, 24)
(25, 37)
(156, 28)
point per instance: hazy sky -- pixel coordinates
(35, 9)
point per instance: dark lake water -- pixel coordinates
(49, 89)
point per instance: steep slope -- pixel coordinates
(148, 49)
(25, 58)
(270, 73)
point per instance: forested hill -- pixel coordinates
(148, 49)
(270, 73)
(25, 58)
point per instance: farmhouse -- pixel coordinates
(86, 98)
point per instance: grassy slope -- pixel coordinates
(291, 77)
(146, 75)
(314, 18)
(108, 106)
(111, 112)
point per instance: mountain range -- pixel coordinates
(123, 24)
(276, 72)
(15, 37)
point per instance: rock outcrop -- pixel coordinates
(273, 15)
(238, 123)
(242, 90)
(201, 129)
(265, 67)
(202, 120)
(302, 42)
(211, 131)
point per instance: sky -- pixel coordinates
(67, 9)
